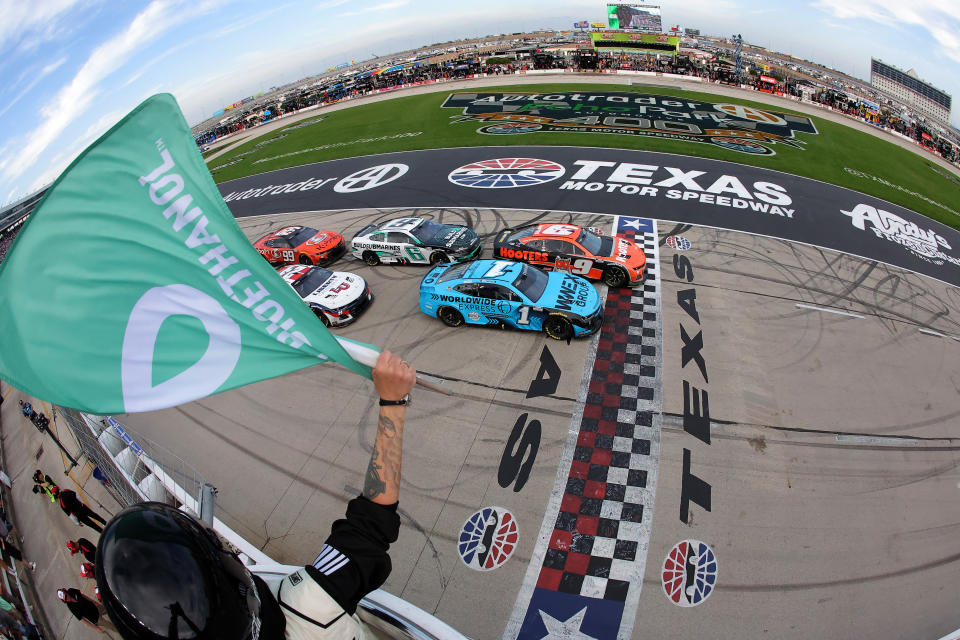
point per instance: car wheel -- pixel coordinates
(305, 259)
(558, 328)
(322, 316)
(614, 277)
(371, 258)
(438, 256)
(450, 316)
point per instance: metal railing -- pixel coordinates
(136, 469)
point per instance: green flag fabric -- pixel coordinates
(131, 287)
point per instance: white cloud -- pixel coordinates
(76, 97)
(47, 70)
(383, 6)
(940, 18)
(31, 21)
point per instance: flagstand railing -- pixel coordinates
(135, 476)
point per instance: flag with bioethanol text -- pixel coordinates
(131, 287)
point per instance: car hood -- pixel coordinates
(570, 293)
(332, 295)
(624, 251)
(454, 238)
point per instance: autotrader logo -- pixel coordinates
(370, 178)
(505, 173)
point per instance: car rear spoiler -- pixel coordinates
(502, 234)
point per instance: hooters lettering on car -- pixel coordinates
(583, 251)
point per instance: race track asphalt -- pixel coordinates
(832, 463)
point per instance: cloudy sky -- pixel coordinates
(69, 69)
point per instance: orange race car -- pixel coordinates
(584, 251)
(300, 244)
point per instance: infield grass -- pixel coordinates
(893, 173)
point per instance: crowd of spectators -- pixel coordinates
(6, 239)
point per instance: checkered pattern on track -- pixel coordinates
(594, 542)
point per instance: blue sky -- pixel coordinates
(69, 69)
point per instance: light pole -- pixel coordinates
(738, 40)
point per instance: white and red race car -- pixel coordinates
(337, 297)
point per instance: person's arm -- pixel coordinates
(393, 379)
(354, 560)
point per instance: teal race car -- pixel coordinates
(513, 295)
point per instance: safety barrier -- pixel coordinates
(134, 475)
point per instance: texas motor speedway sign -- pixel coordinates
(664, 186)
(730, 126)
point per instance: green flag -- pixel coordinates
(131, 287)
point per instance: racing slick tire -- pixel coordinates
(615, 277)
(305, 260)
(438, 257)
(371, 258)
(558, 327)
(322, 316)
(450, 316)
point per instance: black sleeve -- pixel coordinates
(354, 561)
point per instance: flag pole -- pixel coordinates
(368, 356)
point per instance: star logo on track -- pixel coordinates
(568, 629)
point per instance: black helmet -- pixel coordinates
(164, 575)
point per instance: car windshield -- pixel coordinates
(531, 281)
(455, 271)
(520, 234)
(312, 281)
(590, 241)
(301, 236)
(429, 230)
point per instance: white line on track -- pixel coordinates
(826, 310)
(880, 441)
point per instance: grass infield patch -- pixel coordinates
(838, 154)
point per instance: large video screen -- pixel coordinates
(621, 41)
(634, 16)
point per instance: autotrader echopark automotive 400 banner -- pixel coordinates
(730, 126)
(131, 287)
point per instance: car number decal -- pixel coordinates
(498, 269)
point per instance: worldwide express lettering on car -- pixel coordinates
(730, 126)
(511, 295)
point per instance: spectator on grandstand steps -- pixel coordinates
(78, 511)
(9, 551)
(84, 546)
(87, 570)
(84, 609)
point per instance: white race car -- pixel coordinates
(337, 297)
(414, 241)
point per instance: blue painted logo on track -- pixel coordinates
(627, 224)
(563, 615)
(689, 573)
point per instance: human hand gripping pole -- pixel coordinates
(368, 356)
(393, 379)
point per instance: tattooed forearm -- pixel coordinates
(373, 485)
(387, 426)
(382, 483)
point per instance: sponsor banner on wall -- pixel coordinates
(669, 187)
(730, 126)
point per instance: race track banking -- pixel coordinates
(824, 480)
